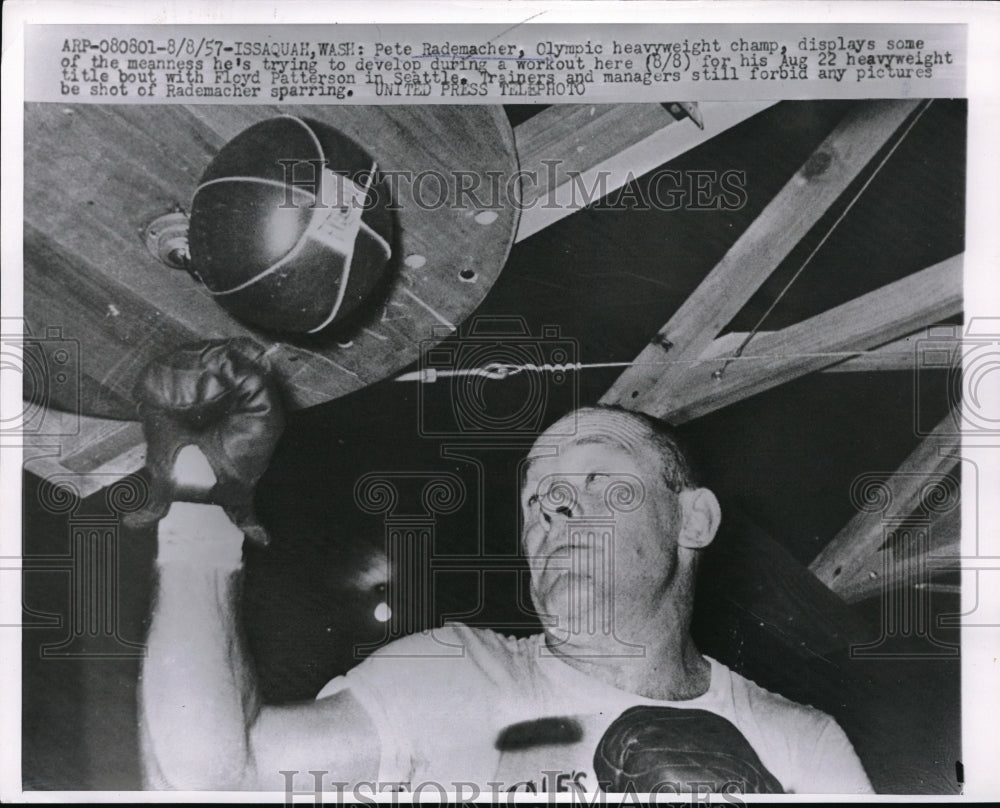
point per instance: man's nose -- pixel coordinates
(555, 518)
(555, 510)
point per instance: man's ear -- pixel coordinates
(700, 518)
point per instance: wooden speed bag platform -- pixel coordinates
(96, 176)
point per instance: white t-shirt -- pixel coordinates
(459, 704)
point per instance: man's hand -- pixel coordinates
(220, 397)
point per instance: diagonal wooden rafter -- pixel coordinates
(570, 156)
(761, 580)
(757, 252)
(82, 452)
(898, 354)
(869, 554)
(776, 357)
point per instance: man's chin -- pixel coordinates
(564, 615)
(552, 596)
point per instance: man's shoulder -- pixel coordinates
(456, 640)
(769, 707)
(456, 659)
(803, 746)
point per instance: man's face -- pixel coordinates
(600, 525)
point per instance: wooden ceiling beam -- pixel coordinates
(567, 152)
(870, 553)
(899, 354)
(756, 254)
(79, 452)
(759, 578)
(911, 554)
(775, 357)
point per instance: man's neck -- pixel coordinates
(656, 664)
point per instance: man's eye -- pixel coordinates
(532, 500)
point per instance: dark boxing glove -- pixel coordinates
(221, 397)
(671, 750)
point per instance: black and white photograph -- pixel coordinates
(399, 422)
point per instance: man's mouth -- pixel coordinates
(565, 549)
(561, 548)
(562, 552)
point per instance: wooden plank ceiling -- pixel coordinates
(95, 176)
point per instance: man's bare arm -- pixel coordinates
(202, 722)
(212, 415)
